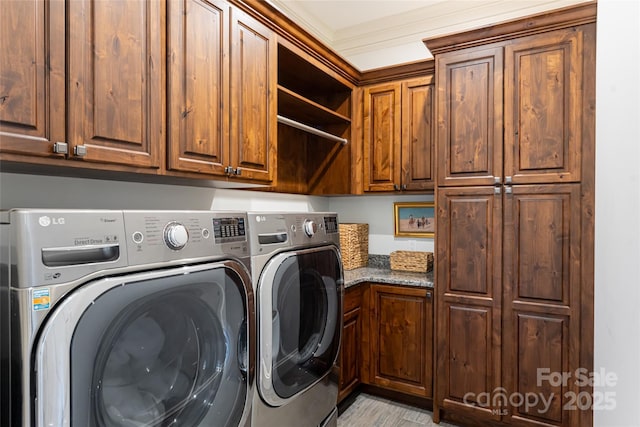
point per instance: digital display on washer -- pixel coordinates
(229, 230)
(331, 224)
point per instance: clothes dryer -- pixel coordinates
(298, 278)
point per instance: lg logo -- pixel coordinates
(46, 221)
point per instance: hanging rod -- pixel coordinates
(306, 128)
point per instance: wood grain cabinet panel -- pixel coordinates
(401, 318)
(32, 77)
(514, 228)
(222, 82)
(543, 99)
(542, 287)
(382, 132)
(469, 114)
(469, 291)
(115, 85)
(350, 358)
(198, 86)
(418, 172)
(398, 135)
(83, 81)
(253, 110)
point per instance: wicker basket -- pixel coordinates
(354, 245)
(419, 262)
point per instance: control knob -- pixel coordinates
(176, 235)
(310, 227)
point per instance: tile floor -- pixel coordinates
(373, 411)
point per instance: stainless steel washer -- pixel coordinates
(125, 318)
(298, 278)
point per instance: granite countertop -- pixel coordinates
(385, 275)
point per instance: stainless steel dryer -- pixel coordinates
(297, 273)
(125, 318)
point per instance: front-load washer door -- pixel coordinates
(164, 348)
(299, 306)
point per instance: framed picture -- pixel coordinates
(414, 219)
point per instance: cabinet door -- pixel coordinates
(469, 115)
(32, 72)
(253, 112)
(417, 134)
(350, 357)
(382, 131)
(115, 87)
(468, 339)
(401, 333)
(350, 353)
(198, 79)
(541, 306)
(543, 107)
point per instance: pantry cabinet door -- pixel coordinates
(115, 105)
(469, 295)
(469, 116)
(543, 107)
(541, 306)
(32, 77)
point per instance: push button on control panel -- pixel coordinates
(137, 237)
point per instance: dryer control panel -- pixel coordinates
(271, 230)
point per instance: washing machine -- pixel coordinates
(125, 318)
(298, 283)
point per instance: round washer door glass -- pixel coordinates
(305, 319)
(171, 351)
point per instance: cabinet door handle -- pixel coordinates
(404, 186)
(60, 148)
(80, 150)
(396, 187)
(428, 295)
(237, 171)
(228, 170)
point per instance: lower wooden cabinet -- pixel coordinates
(387, 339)
(351, 350)
(401, 339)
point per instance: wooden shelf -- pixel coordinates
(297, 107)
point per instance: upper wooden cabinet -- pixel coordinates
(198, 86)
(398, 135)
(221, 122)
(32, 77)
(541, 77)
(114, 105)
(253, 109)
(114, 80)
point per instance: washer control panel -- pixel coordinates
(154, 236)
(231, 229)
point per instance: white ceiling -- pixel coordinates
(378, 33)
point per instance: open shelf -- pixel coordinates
(297, 107)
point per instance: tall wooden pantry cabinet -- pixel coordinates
(514, 239)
